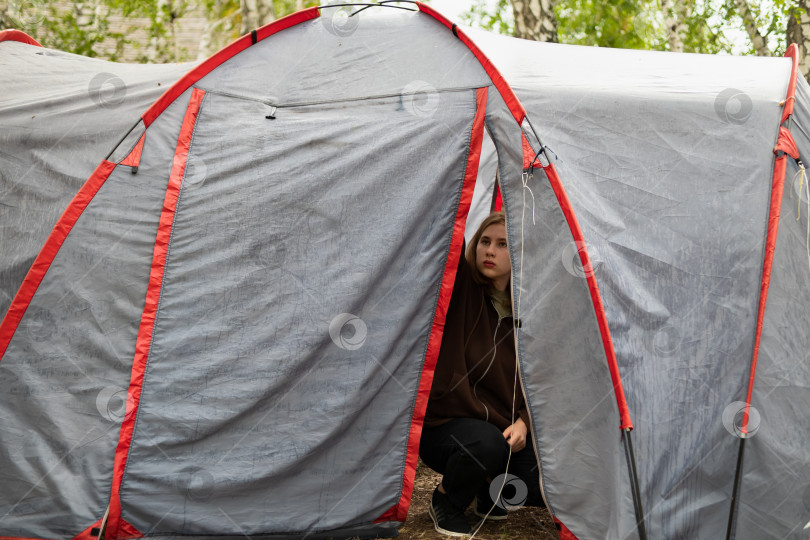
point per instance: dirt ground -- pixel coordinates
(523, 524)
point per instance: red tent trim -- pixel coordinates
(564, 533)
(400, 510)
(87, 534)
(792, 53)
(785, 143)
(596, 297)
(18, 35)
(220, 57)
(134, 157)
(515, 107)
(48, 252)
(116, 526)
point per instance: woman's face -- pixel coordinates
(492, 256)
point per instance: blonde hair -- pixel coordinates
(495, 218)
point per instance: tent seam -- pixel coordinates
(147, 367)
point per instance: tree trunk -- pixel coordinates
(157, 42)
(798, 32)
(760, 45)
(5, 16)
(250, 16)
(674, 21)
(534, 19)
(267, 13)
(256, 13)
(213, 27)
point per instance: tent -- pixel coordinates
(228, 326)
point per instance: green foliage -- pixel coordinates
(227, 16)
(625, 24)
(85, 27)
(499, 20)
(80, 28)
(704, 30)
(65, 31)
(711, 26)
(771, 18)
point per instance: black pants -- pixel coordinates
(471, 454)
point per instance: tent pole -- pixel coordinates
(735, 490)
(631, 457)
(123, 138)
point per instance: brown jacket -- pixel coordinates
(475, 372)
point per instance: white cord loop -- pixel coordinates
(801, 174)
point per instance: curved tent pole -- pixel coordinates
(786, 147)
(384, 3)
(634, 486)
(122, 139)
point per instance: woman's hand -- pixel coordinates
(515, 435)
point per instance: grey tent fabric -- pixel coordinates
(280, 239)
(668, 161)
(776, 490)
(325, 425)
(305, 265)
(67, 369)
(61, 114)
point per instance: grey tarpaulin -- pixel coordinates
(304, 269)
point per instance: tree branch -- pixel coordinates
(757, 39)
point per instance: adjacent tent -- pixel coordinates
(232, 327)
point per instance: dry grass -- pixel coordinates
(524, 524)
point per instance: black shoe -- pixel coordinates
(447, 518)
(486, 509)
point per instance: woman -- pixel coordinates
(476, 412)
